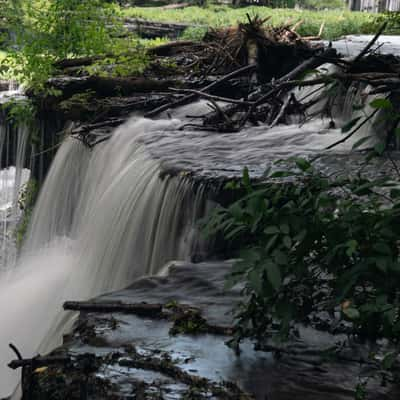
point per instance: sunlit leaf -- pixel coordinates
(381, 104)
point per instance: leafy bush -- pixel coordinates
(392, 18)
(46, 31)
(322, 4)
(311, 243)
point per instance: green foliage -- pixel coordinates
(20, 112)
(322, 4)
(194, 33)
(47, 31)
(26, 202)
(122, 63)
(301, 231)
(392, 18)
(337, 22)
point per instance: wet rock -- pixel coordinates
(136, 357)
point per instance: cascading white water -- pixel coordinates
(11, 181)
(103, 218)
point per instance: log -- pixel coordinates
(111, 86)
(142, 309)
(172, 48)
(153, 29)
(37, 362)
(76, 62)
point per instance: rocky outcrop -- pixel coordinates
(176, 352)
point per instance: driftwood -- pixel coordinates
(172, 48)
(142, 309)
(151, 30)
(111, 86)
(180, 314)
(271, 102)
(193, 96)
(236, 66)
(38, 362)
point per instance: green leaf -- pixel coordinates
(303, 164)
(255, 281)
(284, 228)
(308, 72)
(234, 232)
(351, 247)
(365, 188)
(271, 243)
(273, 274)
(300, 236)
(380, 148)
(287, 241)
(347, 127)
(231, 281)
(389, 360)
(250, 256)
(232, 185)
(281, 258)
(351, 313)
(282, 174)
(236, 210)
(381, 104)
(271, 230)
(246, 177)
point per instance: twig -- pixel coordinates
(138, 309)
(212, 97)
(16, 351)
(191, 97)
(281, 112)
(371, 43)
(353, 131)
(37, 362)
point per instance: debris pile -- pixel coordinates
(273, 100)
(249, 74)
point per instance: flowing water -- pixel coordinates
(109, 215)
(103, 218)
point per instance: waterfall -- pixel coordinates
(11, 181)
(108, 215)
(103, 218)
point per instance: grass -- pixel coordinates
(3, 55)
(337, 22)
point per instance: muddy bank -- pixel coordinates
(171, 354)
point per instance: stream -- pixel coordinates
(108, 216)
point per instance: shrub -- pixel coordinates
(46, 31)
(314, 243)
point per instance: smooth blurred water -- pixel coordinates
(109, 215)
